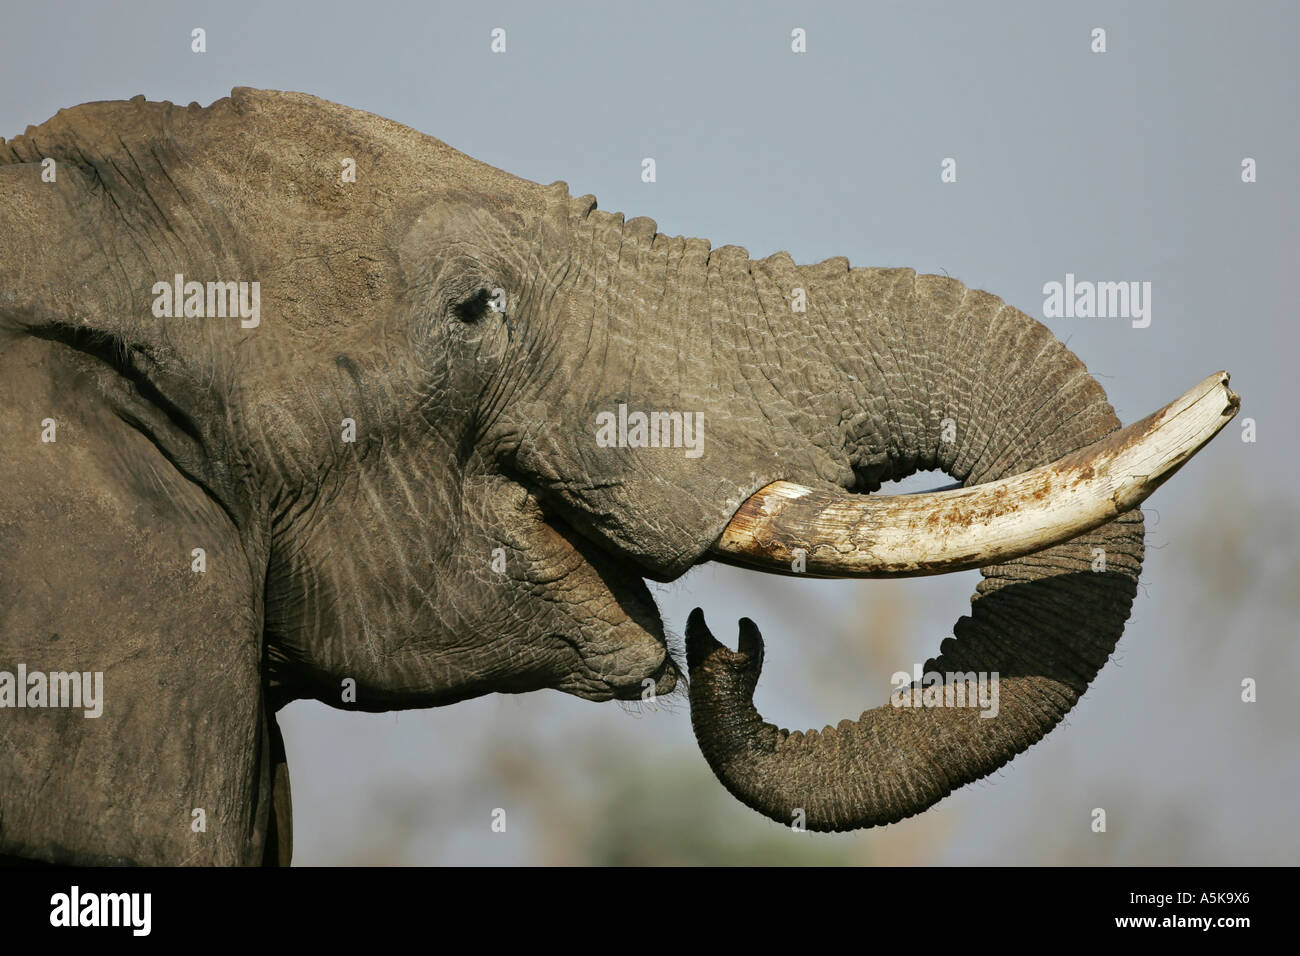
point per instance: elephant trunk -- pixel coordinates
(898, 373)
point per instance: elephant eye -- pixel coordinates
(475, 306)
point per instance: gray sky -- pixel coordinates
(1123, 165)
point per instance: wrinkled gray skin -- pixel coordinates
(371, 561)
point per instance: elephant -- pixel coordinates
(301, 403)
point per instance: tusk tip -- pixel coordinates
(1234, 400)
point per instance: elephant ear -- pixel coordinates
(167, 753)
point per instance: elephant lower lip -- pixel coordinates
(659, 684)
(616, 647)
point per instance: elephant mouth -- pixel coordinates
(613, 643)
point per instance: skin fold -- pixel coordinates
(474, 537)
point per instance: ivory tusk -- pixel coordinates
(847, 535)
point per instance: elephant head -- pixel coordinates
(308, 404)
